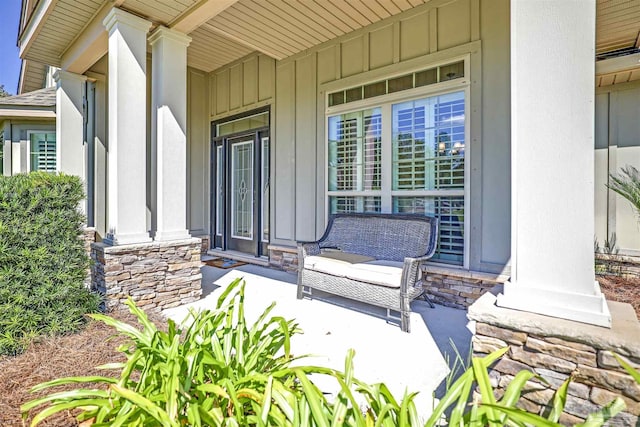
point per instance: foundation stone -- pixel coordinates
(156, 275)
(558, 349)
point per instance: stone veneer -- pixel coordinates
(88, 237)
(205, 245)
(457, 288)
(557, 349)
(157, 275)
(283, 258)
(620, 265)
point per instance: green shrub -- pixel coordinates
(43, 262)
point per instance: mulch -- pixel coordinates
(56, 357)
(617, 288)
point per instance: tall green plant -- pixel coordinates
(220, 371)
(43, 262)
(627, 184)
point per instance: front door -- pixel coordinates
(240, 175)
(241, 209)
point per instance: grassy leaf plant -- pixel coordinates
(221, 371)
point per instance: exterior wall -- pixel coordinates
(17, 131)
(295, 89)
(617, 145)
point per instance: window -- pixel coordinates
(42, 151)
(405, 157)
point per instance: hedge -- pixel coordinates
(43, 263)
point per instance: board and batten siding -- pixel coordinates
(617, 145)
(295, 89)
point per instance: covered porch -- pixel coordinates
(331, 326)
(246, 124)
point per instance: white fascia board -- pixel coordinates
(35, 24)
(9, 113)
(621, 63)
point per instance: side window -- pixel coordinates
(42, 151)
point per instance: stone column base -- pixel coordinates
(157, 275)
(557, 349)
(283, 258)
(457, 288)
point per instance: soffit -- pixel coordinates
(61, 26)
(617, 27)
(32, 75)
(282, 28)
(617, 24)
(618, 78)
(278, 28)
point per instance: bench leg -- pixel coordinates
(425, 297)
(405, 313)
(405, 324)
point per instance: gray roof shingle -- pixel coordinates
(38, 98)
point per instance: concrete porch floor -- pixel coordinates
(331, 325)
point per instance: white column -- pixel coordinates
(169, 131)
(127, 128)
(70, 144)
(552, 161)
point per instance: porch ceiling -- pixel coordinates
(281, 28)
(278, 28)
(617, 28)
(617, 25)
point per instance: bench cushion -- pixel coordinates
(377, 272)
(334, 262)
(356, 267)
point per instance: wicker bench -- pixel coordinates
(373, 258)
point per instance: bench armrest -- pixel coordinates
(411, 272)
(306, 249)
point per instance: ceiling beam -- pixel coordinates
(619, 63)
(198, 14)
(91, 43)
(272, 53)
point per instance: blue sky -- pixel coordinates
(10, 69)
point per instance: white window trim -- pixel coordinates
(385, 103)
(263, 140)
(31, 132)
(218, 189)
